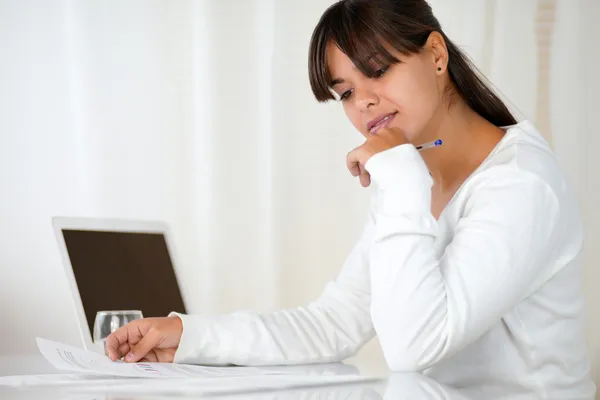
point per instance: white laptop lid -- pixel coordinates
(117, 265)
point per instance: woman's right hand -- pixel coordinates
(148, 339)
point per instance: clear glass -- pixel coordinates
(109, 321)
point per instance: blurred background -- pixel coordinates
(199, 113)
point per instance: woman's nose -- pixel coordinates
(365, 99)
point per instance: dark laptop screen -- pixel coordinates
(123, 271)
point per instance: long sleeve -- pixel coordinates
(427, 306)
(330, 329)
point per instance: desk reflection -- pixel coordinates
(394, 387)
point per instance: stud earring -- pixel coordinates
(439, 68)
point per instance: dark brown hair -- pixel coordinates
(362, 29)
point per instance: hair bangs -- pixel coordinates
(365, 34)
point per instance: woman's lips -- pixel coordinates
(382, 124)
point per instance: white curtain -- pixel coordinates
(199, 113)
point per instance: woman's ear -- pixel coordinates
(438, 50)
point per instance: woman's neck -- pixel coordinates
(467, 140)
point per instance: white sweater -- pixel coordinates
(488, 295)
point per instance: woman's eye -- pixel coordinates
(346, 95)
(379, 73)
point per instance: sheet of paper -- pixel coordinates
(97, 374)
(68, 358)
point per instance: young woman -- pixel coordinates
(469, 267)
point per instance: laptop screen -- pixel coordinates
(123, 271)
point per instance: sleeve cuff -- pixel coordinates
(403, 179)
(189, 343)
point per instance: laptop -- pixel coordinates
(117, 265)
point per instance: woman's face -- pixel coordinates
(404, 95)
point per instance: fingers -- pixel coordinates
(356, 168)
(120, 341)
(150, 357)
(353, 160)
(159, 355)
(139, 340)
(114, 342)
(386, 138)
(353, 165)
(124, 349)
(364, 177)
(141, 350)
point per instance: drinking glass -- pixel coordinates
(109, 321)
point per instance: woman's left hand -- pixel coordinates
(384, 139)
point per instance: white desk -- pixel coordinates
(392, 387)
